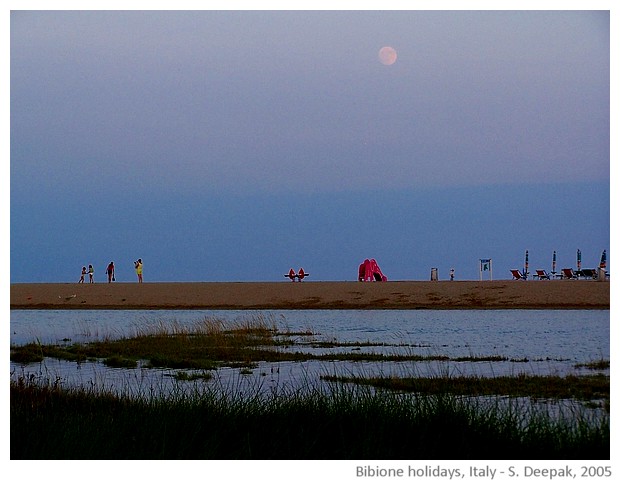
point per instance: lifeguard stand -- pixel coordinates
(486, 265)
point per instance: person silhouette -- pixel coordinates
(138, 266)
(110, 272)
(82, 276)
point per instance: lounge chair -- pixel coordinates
(296, 276)
(301, 274)
(568, 273)
(542, 275)
(517, 275)
(587, 273)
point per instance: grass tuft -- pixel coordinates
(601, 364)
(116, 361)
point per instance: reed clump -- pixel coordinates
(345, 422)
(601, 364)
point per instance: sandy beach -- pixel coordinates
(499, 294)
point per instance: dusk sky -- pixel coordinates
(234, 145)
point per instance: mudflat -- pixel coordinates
(496, 294)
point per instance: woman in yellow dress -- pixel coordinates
(138, 266)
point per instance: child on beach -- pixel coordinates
(91, 273)
(83, 273)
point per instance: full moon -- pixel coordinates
(387, 55)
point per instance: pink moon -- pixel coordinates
(387, 55)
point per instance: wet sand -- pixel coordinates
(497, 294)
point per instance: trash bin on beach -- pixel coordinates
(434, 276)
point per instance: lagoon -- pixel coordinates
(575, 335)
(537, 342)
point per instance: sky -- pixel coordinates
(234, 145)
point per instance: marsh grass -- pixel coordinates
(601, 364)
(342, 422)
(116, 361)
(30, 353)
(211, 343)
(594, 387)
(189, 377)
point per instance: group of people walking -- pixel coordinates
(109, 272)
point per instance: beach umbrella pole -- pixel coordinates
(527, 264)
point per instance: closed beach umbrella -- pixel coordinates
(527, 262)
(603, 259)
(578, 259)
(553, 263)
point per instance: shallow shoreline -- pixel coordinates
(406, 295)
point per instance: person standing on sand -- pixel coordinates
(91, 273)
(82, 276)
(110, 272)
(138, 266)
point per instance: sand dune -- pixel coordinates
(499, 294)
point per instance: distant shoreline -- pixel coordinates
(403, 295)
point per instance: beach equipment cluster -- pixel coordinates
(600, 273)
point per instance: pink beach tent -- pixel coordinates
(369, 271)
(361, 275)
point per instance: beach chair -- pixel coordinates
(542, 275)
(587, 273)
(299, 276)
(569, 274)
(517, 275)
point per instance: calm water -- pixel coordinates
(552, 342)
